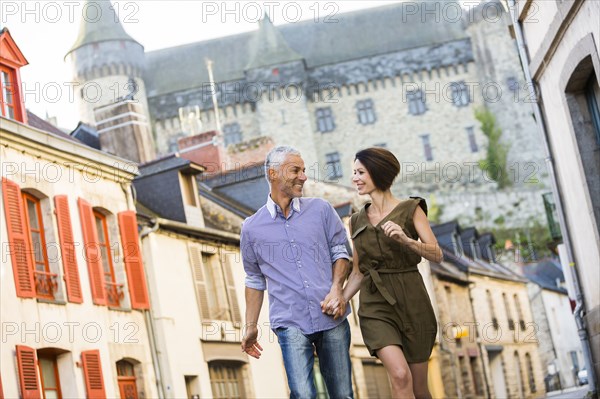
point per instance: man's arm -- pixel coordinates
(255, 286)
(254, 300)
(334, 303)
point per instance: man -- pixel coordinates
(297, 247)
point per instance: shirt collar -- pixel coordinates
(272, 206)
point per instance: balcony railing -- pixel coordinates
(114, 293)
(46, 284)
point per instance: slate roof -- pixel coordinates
(87, 135)
(546, 274)
(157, 187)
(95, 29)
(466, 262)
(268, 47)
(356, 35)
(35, 121)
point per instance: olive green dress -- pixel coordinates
(395, 308)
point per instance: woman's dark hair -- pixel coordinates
(381, 164)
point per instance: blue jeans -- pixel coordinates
(333, 350)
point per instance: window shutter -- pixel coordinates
(18, 239)
(28, 372)
(132, 257)
(92, 373)
(231, 292)
(199, 280)
(67, 248)
(92, 252)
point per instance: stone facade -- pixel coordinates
(439, 148)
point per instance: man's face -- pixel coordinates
(289, 178)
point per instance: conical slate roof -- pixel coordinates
(268, 47)
(99, 24)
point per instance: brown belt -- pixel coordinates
(378, 282)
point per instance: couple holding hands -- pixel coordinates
(295, 248)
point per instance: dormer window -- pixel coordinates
(11, 59)
(456, 244)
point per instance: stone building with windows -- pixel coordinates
(491, 343)
(407, 76)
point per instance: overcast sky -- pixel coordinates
(45, 30)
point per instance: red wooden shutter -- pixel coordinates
(92, 252)
(67, 249)
(92, 373)
(28, 372)
(133, 260)
(18, 239)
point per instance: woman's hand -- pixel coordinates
(395, 232)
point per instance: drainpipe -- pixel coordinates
(580, 307)
(150, 323)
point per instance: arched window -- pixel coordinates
(126, 378)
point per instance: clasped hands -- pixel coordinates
(334, 303)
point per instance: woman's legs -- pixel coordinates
(398, 370)
(419, 380)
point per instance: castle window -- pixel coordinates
(512, 83)
(232, 133)
(416, 102)
(460, 94)
(472, 141)
(427, 147)
(334, 166)
(366, 112)
(325, 122)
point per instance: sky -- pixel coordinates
(45, 30)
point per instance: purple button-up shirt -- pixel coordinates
(294, 258)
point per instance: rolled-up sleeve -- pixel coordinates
(254, 277)
(336, 235)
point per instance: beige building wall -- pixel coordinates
(562, 36)
(46, 166)
(187, 341)
(508, 375)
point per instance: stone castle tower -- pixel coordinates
(108, 66)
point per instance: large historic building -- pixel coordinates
(404, 78)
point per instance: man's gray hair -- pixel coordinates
(276, 156)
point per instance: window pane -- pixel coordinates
(48, 376)
(36, 242)
(33, 215)
(105, 263)
(100, 230)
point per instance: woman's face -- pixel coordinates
(361, 179)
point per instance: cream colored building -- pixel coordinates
(562, 48)
(73, 290)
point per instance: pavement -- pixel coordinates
(569, 393)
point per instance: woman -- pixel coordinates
(396, 317)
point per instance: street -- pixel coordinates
(570, 393)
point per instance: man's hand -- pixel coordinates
(334, 303)
(250, 344)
